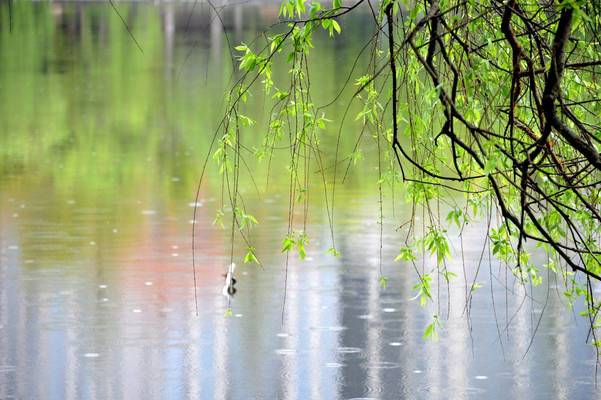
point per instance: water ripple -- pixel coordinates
(381, 365)
(286, 352)
(348, 350)
(7, 368)
(327, 328)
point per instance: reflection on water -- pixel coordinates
(101, 149)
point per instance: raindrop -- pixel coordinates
(395, 344)
(175, 247)
(105, 299)
(348, 350)
(481, 377)
(91, 355)
(15, 215)
(29, 261)
(366, 316)
(102, 286)
(417, 371)
(238, 315)
(383, 365)
(136, 310)
(364, 398)
(389, 310)
(174, 254)
(92, 243)
(71, 202)
(13, 247)
(175, 179)
(328, 328)
(115, 231)
(334, 365)
(282, 335)
(22, 205)
(195, 204)
(148, 212)
(286, 352)
(148, 283)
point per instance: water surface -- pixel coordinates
(102, 146)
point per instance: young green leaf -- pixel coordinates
(383, 280)
(334, 252)
(336, 26)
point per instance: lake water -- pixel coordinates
(101, 149)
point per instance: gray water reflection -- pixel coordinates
(127, 328)
(96, 292)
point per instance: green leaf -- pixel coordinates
(280, 95)
(428, 331)
(406, 254)
(414, 12)
(302, 253)
(228, 313)
(356, 156)
(334, 252)
(383, 280)
(490, 165)
(336, 26)
(288, 244)
(431, 329)
(250, 256)
(218, 218)
(246, 121)
(453, 216)
(315, 8)
(253, 219)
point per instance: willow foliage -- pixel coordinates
(495, 103)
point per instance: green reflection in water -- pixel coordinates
(95, 132)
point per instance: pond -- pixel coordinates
(102, 145)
